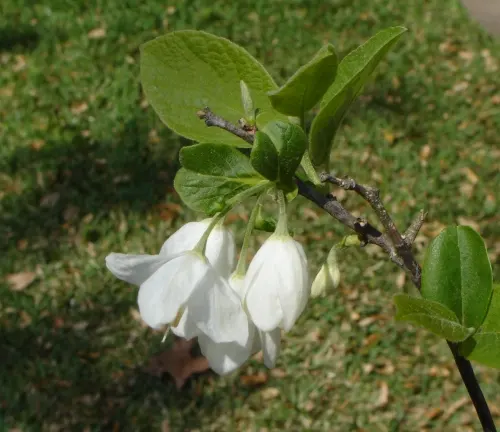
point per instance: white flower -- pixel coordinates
(277, 284)
(328, 277)
(224, 358)
(183, 288)
(220, 250)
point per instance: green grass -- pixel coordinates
(86, 168)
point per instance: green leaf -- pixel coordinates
(457, 273)
(432, 316)
(185, 71)
(306, 87)
(290, 142)
(264, 157)
(352, 74)
(213, 174)
(264, 223)
(484, 346)
(247, 102)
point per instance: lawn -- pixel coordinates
(86, 168)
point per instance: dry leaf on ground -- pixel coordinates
(178, 362)
(20, 281)
(270, 393)
(97, 33)
(254, 380)
(383, 397)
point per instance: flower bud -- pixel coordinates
(328, 277)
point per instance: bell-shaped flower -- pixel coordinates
(277, 283)
(328, 277)
(180, 287)
(226, 357)
(220, 249)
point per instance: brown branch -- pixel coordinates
(412, 231)
(372, 196)
(212, 119)
(396, 245)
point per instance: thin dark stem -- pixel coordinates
(476, 394)
(212, 119)
(396, 245)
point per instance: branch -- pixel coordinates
(412, 231)
(372, 196)
(396, 245)
(212, 119)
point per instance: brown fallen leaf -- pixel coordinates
(78, 108)
(254, 380)
(383, 397)
(278, 373)
(470, 175)
(178, 362)
(20, 281)
(97, 33)
(270, 393)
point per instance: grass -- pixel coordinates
(86, 168)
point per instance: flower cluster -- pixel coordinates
(233, 313)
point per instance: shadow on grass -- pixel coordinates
(62, 376)
(18, 37)
(65, 181)
(77, 365)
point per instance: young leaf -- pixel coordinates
(352, 74)
(247, 102)
(484, 346)
(457, 274)
(306, 87)
(432, 316)
(264, 156)
(290, 142)
(265, 223)
(185, 71)
(212, 174)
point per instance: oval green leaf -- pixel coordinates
(484, 346)
(291, 143)
(264, 157)
(307, 86)
(213, 174)
(457, 273)
(432, 316)
(185, 71)
(352, 74)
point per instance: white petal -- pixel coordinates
(277, 284)
(261, 282)
(134, 269)
(217, 310)
(185, 238)
(221, 250)
(271, 344)
(237, 283)
(224, 358)
(187, 327)
(167, 290)
(294, 289)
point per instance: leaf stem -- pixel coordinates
(241, 268)
(309, 169)
(282, 225)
